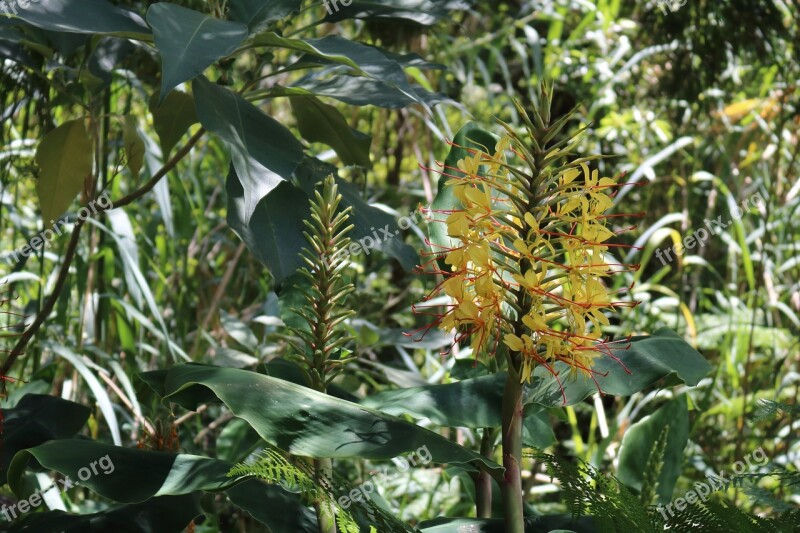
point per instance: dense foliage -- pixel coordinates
(405, 265)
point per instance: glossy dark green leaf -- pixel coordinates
(168, 514)
(423, 12)
(258, 13)
(368, 61)
(189, 42)
(172, 119)
(263, 151)
(320, 122)
(472, 403)
(125, 475)
(476, 402)
(307, 423)
(148, 476)
(648, 359)
(277, 509)
(640, 439)
(272, 39)
(537, 431)
(542, 524)
(84, 16)
(274, 230)
(35, 420)
(370, 222)
(356, 90)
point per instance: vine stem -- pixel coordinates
(49, 305)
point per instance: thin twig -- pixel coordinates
(169, 165)
(49, 305)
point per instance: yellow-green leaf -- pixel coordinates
(172, 119)
(65, 159)
(134, 146)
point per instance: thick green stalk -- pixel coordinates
(512, 454)
(483, 481)
(326, 520)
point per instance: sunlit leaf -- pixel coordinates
(172, 119)
(65, 158)
(320, 122)
(189, 42)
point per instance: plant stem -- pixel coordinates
(512, 453)
(483, 481)
(323, 468)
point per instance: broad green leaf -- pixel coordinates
(189, 41)
(307, 423)
(84, 16)
(641, 437)
(263, 151)
(469, 136)
(172, 119)
(367, 61)
(258, 13)
(134, 146)
(65, 158)
(125, 475)
(274, 507)
(35, 420)
(272, 39)
(131, 475)
(273, 230)
(472, 403)
(320, 122)
(541, 524)
(158, 515)
(236, 441)
(423, 12)
(537, 431)
(648, 359)
(476, 402)
(361, 91)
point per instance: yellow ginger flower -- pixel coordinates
(530, 265)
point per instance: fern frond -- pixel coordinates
(770, 409)
(588, 492)
(275, 469)
(712, 517)
(322, 490)
(614, 508)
